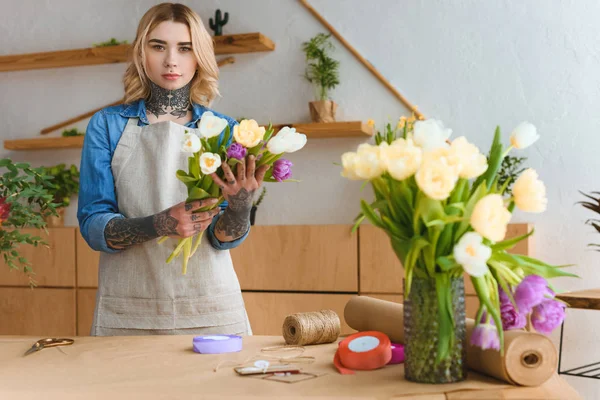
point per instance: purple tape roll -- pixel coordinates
(217, 344)
(397, 354)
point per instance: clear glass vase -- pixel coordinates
(421, 333)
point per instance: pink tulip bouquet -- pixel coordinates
(215, 145)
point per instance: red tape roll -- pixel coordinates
(363, 351)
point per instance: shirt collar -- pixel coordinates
(137, 109)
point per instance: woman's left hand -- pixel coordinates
(239, 190)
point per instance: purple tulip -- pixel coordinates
(511, 318)
(236, 150)
(547, 316)
(485, 336)
(531, 292)
(282, 169)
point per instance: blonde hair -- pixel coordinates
(204, 85)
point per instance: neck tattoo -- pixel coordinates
(164, 101)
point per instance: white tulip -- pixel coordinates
(211, 125)
(472, 254)
(287, 140)
(191, 143)
(524, 135)
(431, 134)
(209, 163)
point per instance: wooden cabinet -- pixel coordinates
(282, 270)
(298, 258)
(87, 263)
(54, 266)
(39, 311)
(267, 311)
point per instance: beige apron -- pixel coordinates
(138, 293)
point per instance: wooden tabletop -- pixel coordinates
(583, 299)
(166, 367)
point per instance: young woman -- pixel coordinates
(129, 195)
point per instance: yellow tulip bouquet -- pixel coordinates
(214, 145)
(440, 203)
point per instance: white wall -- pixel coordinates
(473, 64)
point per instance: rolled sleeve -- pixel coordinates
(216, 243)
(97, 202)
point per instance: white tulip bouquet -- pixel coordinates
(445, 214)
(214, 146)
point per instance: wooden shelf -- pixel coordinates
(75, 142)
(331, 129)
(226, 44)
(312, 131)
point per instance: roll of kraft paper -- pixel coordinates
(217, 344)
(529, 358)
(363, 351)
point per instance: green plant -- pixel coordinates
(595, 207)
(261, 197)
(111, 42)
(510, 171)
(72, 132)
(322, 70)
(25, 201)
(218, 23)
(65, 183)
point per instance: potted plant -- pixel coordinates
(65, 183)
(322, 72)
(25, 201)
(594, 206)
(256, 204)
(510, 169)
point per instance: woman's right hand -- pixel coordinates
(180, 221)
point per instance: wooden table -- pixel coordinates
(166, 367)
(583, 300)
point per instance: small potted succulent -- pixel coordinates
(321, 71)
(65, 183)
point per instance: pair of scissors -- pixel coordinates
(48, 342)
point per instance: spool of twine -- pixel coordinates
(311, 328)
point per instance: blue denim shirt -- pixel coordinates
(97, 197)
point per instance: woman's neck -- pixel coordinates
(169, 102)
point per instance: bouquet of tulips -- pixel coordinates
(440, 203)
(215, 145)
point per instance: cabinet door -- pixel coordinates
(382, 272)
(267, 311)
(298, 257)
(87, 264)
(53, 265)
(37, 312)
(86, 302)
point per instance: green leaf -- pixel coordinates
(196, 193)
(417, 244)
(494, 161)
(510, 243)
(184, 177)
(446, 263)
(370, 214)
(194, 167)
(442, 288)
(4, 162)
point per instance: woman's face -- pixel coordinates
(170, 62)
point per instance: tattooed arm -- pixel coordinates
(239, 192)
(179, 221)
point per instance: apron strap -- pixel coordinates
(132, 122)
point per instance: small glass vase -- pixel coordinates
(421, 332)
